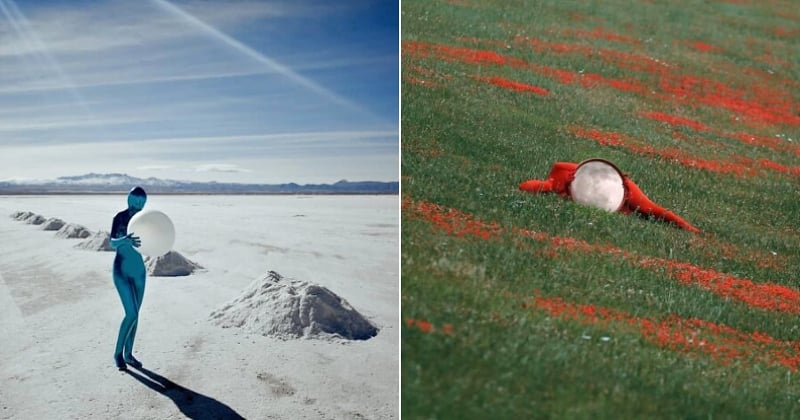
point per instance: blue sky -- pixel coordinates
(232, 91)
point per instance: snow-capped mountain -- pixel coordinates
(114, 183)
(113, 179)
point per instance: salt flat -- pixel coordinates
(60, 312)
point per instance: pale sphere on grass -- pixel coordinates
(598, 183)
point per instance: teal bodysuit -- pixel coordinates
(129, 279)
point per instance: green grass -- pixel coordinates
(466, 145)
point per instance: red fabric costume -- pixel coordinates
(562, 174)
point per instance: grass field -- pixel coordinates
(518, 305)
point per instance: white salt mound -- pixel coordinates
(98, 242)
(171, 264)
(21, 215)
(53, 224)
(71, 231)
(287, 308)
(36, 219)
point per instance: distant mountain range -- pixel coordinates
(116, 183)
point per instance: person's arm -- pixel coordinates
(638, 202)
(536, 186)
(120, 242)
(117, 240)
(557, 181)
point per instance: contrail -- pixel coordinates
(261, 58)
(35, 46)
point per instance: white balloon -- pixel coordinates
(155, 230)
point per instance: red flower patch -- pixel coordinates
(675, 120)
(771, 59)
(756, 105)
(703, 47)
(601, 33)
(771, 106)
(677, 135)
(777, 167)
(424, 77)
(621, 59)
(512, 85)
(451, 221)
(738, 166)
(766, 296)
(716, 249)
(787, 14)
(781, 32)
(584, 17)
(689, 335)
(669, 154)
(478, 57)
(428, 328)
(765, 141)
(772, 143)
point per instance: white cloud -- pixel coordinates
(128, 87)
(98, 26)
(146, 151)
(103, 78)
(154, 167)
(45, 123)
(136, 158)
(221, 167)
(119, 44)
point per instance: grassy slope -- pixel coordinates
(468, 144)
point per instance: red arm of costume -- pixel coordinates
(561, 175)
(638, 202)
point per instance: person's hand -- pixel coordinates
(135, 241)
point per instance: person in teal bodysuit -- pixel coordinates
(129, 277)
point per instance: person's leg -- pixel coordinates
(127, 295)
(138, 295)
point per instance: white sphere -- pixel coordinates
(155, 230)
(598, 183)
